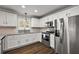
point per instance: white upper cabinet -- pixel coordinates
(11, 19)
(43, 21)
(8, 19)
(2, 18)
(40, 22)
(35, 22)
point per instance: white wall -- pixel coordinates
(63, 14)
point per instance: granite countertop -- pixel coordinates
(23, 34)
(2, 35)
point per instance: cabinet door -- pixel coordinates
(8, 19)
(11, 19)
(24, 39)
(52, 41)
(29, 38)
(11, 42)
(37, 37)
(42, 22)
(35, 22)
(2, 18)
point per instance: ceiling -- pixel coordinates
(42, 9)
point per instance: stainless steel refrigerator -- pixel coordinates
(61, 43)
(60, 37)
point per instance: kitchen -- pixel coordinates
(49, 25)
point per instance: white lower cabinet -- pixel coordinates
(25, 39)
(52, 41)
(11, 42)
(16, 41)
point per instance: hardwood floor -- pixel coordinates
(35, 48)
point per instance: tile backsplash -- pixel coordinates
(7, 30)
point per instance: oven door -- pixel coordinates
(46, 36)
(46, 39)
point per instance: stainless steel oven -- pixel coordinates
(46, 38)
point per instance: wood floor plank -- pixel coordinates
(35, 48)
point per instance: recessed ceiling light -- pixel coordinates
(35, 10)
(23, 6)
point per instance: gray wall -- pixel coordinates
(74, 34)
